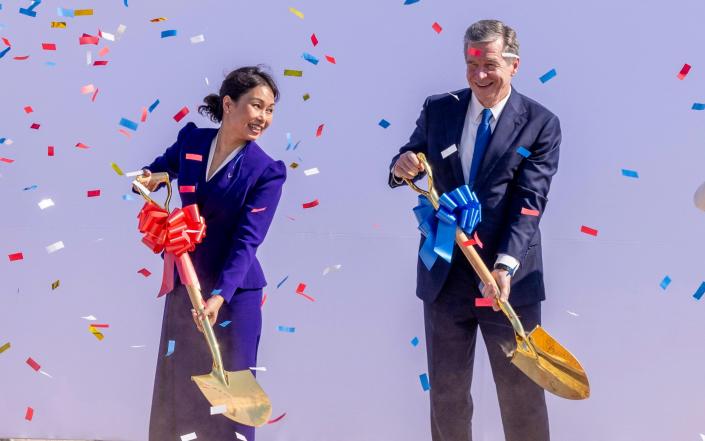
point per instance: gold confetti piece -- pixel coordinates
(293, 73)
(117, 169)
(78, 12)
(4, 347)
(55, 285)
(158, 19)
(58, 24)
(96, 333)
(293, 165)
(297, 13)
(306, 97)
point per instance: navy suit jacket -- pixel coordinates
(238, 205)
(506, 183)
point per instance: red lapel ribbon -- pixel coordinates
(176, 234)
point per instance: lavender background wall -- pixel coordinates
(349, 372)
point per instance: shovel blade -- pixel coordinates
(551, 366)
(244, 399)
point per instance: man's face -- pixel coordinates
(489, 74)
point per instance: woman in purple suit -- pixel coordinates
(237, 187)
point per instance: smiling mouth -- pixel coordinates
(255, 128)
(484, 86)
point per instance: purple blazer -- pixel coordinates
(238, 205)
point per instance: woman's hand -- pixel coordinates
(212, 306)
(146, 180)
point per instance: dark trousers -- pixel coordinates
(451, 329)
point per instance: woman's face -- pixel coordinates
(251, 114)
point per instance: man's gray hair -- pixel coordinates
(485, 31)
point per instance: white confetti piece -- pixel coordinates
(138, 346)
(141, 187)
(260, 369)
(45, 203)
(121, 30)
(449, 151)
(311, 171)
(240, 437)
(56, 246)
(702, 436)
(219, 410)
(198, 39)
(45, 373)
(334, 267)
(106, 35)
(132, 174)
(578, 315)
(207, 83)
(89, 58)
(189, 436)
(90, 318)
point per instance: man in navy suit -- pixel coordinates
(505, 147)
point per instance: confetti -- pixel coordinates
(143, 117)
(128, 124)
(106, 35)
(529, 212)
(28, 109)
(384, 123)
(103, 51)
(684, 71)
(523, 151)
(424, 382)
(293, 73)
(96, 333)
(294, 165)
(81, 145)
(45, 203)
(314, 39)
(311, 204)
(588, 230)
(5, 347)
(330, 59)
(306, 97)
(31, 187)
(410, 2)
(297, 13)
(187, 188)
(286, 329)
(29, 414)
(574, 314)
(82, 12)
(117, 169)
(6, 160)
(48, 46)
(319, 131)
(145, 272)
(300, 291)
(279, 418)
(665, 282)
(90, 318)
(216, 292)
(35, 126)
(198, 39)
(474, 52)
(415, 341)
(95, 94)
(127, 197)
(334, 267)
(449, 151)
(87, 39)
(258, 210)
(153, 106)
(630, 173)
(169, 33)
(548, 75)
(100, 325)
(259, 369)
(474, 241)
(33, 364)
(282, 282)
(180, 115)
(88, 88)
(483, 302)
(219, 410)
(436, 27)
(194, 157)
(310, 58)
(311, 171)
(16, 256)
(189, 436)
(699, 293)
(170, 349)
(158, 19)
(100, 63)
(56, 246)
(93, 193)
(225, 324)
(58, 24)
(240, 436)
(698, 106)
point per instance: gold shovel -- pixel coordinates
(538, 355)
(244, 400)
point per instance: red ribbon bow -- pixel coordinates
(176, 234)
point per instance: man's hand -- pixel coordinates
(212, 306)
(503, 280)
(407, 166)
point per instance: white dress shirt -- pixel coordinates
(230, 157)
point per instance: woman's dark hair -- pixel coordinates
(235, 85)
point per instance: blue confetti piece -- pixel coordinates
(286, 329)
(31, 187)
(411, 2)
(34, 4)
(153, 106)
(630, 173)
(384, 123)
(665, 282)
(216, 292)
(169, 33)
(170, 349)
(523, 152)
(50, 63)
(548, 75)
(296, 145)
(310, 58)
(125, 3)
(698, 106)
(4, 51)
(282, 282)
(28, 12)
(0, 6)
(128, 124)
(127, 197)
(288, 140)
(699, 293)
(2, 140)
(225, 323)
(61, 12)
(424, 382)
(415, 341)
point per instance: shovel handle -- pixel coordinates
(196, 298)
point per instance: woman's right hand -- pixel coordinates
(146, 180)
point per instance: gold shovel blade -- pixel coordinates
(551, 366)
(244, 399)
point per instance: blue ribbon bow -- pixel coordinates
(458, 208)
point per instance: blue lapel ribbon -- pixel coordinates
(458, 208)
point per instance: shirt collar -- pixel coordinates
(476, 108)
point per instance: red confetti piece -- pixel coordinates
(124, 132)
(81, 145)
(94, 95)
(50, 150)
(145, 272)
(314, 40)
(306, 296)
(49, 46)
(474, 241)
(100, 325)
(300, 289)
(474, 52)
(194, 157)
(684, 71)
(529, 212)
(33, 364)
(29, 414)
(100, 63)
(144, 114)
(88, 39)
(35, 126)
(277, 419)
(264, 300)
(179, 116)
(6, 41)
(483, 302)
(436, 27)
(6, 160)
(15, 256)
(588, 230)
(319, 131)
(258, 210)
(311, 204)
(28, 109)
(330, 59)
(103, 51)
(22, 58)
(187, 188)
(93, 193)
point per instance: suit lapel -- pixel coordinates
(456, 124)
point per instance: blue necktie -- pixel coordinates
(482, 139)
